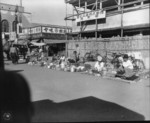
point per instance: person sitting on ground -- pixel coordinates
(54, 58)
(99, 65)
(81, 65)
(120, 68)
(16, 106)
(62, 58)
(74, 58)
(127, 69)
(127, 62)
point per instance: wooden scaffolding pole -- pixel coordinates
(122, 18)
(96, 22)
(80, 24)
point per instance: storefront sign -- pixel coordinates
(91, 16)
(55, 30)
(35, 30)
(26, 31)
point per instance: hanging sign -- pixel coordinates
(91, 16)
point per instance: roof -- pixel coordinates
(48, 25)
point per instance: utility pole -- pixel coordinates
(16, 21)
(1, 45)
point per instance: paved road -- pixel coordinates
(59, 86)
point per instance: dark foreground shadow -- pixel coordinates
(17, 71)
(82, 110)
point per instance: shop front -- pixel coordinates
(56, 47)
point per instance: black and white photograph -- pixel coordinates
(74, 61)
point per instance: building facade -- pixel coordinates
(47, 31)
(14, 18)
(56, 37)
(108, 18)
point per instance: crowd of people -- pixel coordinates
(119, 65)
(123, 66)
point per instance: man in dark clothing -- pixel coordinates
(14, 54)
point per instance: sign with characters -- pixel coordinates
(51, 30)
(91, 16)
(56, 30)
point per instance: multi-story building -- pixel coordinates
(108, 18)
(13, 19)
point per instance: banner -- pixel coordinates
(91, 16)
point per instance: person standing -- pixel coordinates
(14, 54)
(78, 51)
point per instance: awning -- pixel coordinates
(38, 44)
(21, 42)
(49, 41)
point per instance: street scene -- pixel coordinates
(88, 62)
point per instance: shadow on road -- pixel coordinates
(16, 71)
(82, 110)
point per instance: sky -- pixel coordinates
(45, 11)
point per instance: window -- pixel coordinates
(5, 26)
(14, 26)
(20, 29)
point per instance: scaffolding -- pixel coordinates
(82, 7)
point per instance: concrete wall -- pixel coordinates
(137, 44)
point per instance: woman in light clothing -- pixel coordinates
(127, 63)
(99, 65)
